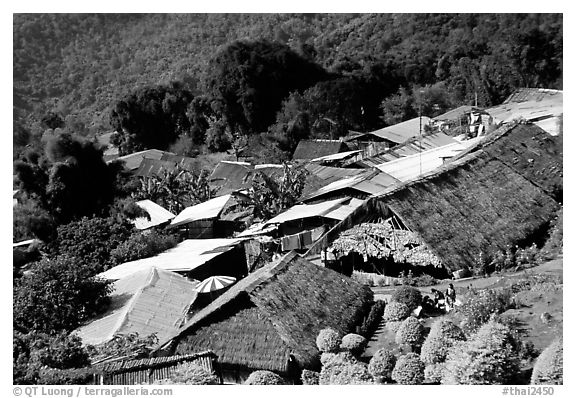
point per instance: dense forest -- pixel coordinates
(287, 76)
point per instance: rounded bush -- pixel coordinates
(409, 369)
(443, 334)
(408, 295)
(344, 369)
(382, 364)
(433, 373)
(549, 366)
(326, 357)
(328, 340)
(309, 377)
(353, 343)
(190, 373)
(373, 320)
(393, 326)
(265, 378)
(396, 312)
(410, 332)
(489, 357)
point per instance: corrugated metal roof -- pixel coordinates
(158, 215)
(185, 256)
(133, 160)
(203, 211)
(370, 184)
(533, 110)
(344, 210)
(532, 94)
(413, 166)
(146, 302)
(403, 131)
(334, 209)
(411, 147)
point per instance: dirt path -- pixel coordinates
(553, 267)
(383, 338)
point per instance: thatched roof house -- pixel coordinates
(482, 201)
(529, 151)
(270, 319)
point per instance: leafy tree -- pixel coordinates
(269, 196)
(34, 352)
(150, 118)
(30, 220)
(176, 189)
(92, 240)
(58, 295)
(122, 345)
(142, 245)
(71, 180)
(250, 79)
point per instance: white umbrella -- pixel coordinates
(214, 283)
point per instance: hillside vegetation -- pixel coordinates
(79, 66)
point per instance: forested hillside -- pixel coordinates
(372, 68)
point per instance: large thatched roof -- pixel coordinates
(273, 313)
(530, 151)
(482, 201)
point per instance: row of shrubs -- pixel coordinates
(373, 319)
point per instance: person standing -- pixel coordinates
(450, 297)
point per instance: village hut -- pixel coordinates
(157, 215)
(219, 217)
(194, 258)
(270, 319)
(151, 301)
(478, 203)
(149, 370)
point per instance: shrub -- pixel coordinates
(478, 306)
(142, 245)
(353, 343)
(343, 368)
(424, 280)
(192, 374)
(433, 373)
(352, 374)
(407, 295)
(409, 369)
(395, 311)
(382, 364)
(310, 377)
(53, 376)
(410, 332)
(326, 357)
(328, 340)
(265, 378)
(443, 334)
(549, 366)
(489, 357)
(373, 320)
(393, 326)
